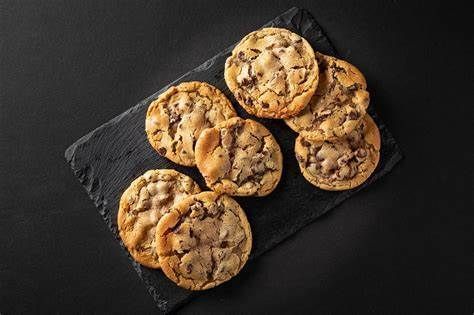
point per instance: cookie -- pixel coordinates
(343, 163)
(239, 157)
(203, 241)
(175, 120)
(338, 105)
(272, 73)
(142, 205)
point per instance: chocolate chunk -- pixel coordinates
(305, 143)
(353, 115)
(337, 68)
(162, 151)
(354, 87)
(248, 82)
(189, 268)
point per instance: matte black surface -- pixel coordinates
(402, 246)
(109, 158)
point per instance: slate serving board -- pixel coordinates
(107, 159)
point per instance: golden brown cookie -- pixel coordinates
(175, 120)
(343, 163)
(338, 105)
(203, 241)
(272, 73)
(239, 157)
(143, 204)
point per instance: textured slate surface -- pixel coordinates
(106, 160)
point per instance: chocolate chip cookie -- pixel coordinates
(342, 163)
(143, 204)
(175, 120)
(203, 241)
(239, 157)
(338, 105)
(272, 73)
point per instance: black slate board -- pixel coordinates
(107, 159)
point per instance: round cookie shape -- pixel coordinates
(175, 120)
(142, 205)
(203, 241)
(338, 105)
(272, 73)
(343, 163)
(239, 157)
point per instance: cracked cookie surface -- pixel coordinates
(343, 163)
(203, 241)
(239, 157)
(175, 120)
(272, 73)
(142, 205)
(338, 105)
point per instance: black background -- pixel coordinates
(405, 245)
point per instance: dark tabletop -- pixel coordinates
(404, 245)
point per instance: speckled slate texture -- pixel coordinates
(107, 159)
